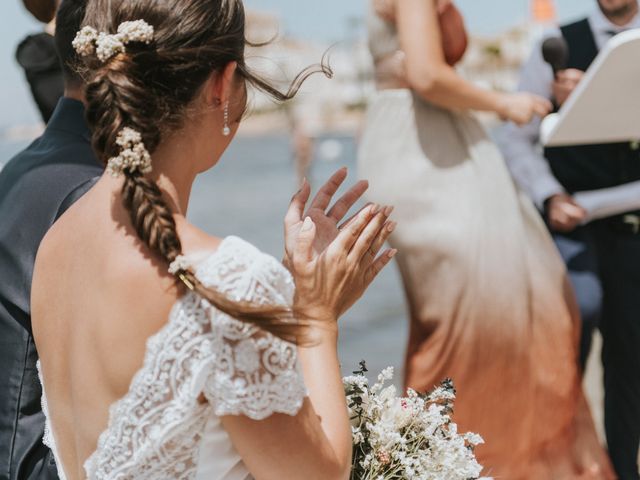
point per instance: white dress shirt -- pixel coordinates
(521, 145)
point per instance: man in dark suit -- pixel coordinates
(602, 252)
(36, 187)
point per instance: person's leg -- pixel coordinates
(579, 254)
(620, 263)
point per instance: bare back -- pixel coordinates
(98, 294)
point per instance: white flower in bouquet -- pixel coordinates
(410, 437)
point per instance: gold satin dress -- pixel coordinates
(488, 295)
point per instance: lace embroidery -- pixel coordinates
(155, 430)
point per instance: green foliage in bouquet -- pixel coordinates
(412, 437)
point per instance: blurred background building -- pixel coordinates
(492, 60)
(502, 34)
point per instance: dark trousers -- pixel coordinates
(604, 267)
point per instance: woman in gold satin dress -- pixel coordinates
(488, 295)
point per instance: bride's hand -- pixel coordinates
(330, 282)
(326, 220)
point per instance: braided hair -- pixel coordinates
(148, 88)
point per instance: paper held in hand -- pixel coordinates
(605, 107)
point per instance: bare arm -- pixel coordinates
(432, 78)
(316, 443)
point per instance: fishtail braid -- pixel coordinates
(148, 87)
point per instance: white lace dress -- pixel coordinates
(159, 430)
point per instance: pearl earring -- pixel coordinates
(226, 131)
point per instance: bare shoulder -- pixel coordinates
(51, 256)
(54, 277)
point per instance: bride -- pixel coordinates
(167, 353)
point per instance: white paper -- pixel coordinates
(605, 106)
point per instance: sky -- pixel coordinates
(322, 21)
(329, 19)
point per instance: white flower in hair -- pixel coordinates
(133, 154)
(84, 42)
(135, 31)
(178, 265)
(128, 137)
(106, 45)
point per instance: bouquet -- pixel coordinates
(409, 437)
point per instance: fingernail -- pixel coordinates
(392, 226)
(392, 253)
(375, 208)
(307, 224)
(388, 210)
(304, 181)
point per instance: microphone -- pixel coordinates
(555, 52)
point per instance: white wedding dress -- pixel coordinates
(159, 430)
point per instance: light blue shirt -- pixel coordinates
(521, 145)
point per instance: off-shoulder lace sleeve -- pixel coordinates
(248, 371)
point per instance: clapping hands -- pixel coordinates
(334, 263)
(326, 222)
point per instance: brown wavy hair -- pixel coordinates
(149, 88)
